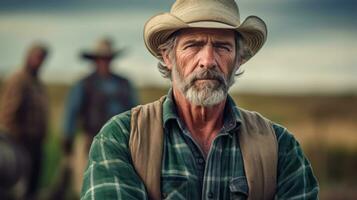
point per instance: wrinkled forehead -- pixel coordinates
(221, 35)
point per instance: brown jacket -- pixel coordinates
(24, 108)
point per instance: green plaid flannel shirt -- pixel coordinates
(186, 174)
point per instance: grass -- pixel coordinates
(53, 156)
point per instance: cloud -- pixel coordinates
(66, 5)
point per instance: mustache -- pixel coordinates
(207, 74)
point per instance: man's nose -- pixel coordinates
(207, 57)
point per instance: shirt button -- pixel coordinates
(210, 195)
(164, 195)
(200, 160)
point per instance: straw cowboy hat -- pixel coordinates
(220, 14)
(103, 49)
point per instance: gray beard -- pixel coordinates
(208, 93)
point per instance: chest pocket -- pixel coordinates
(174, 187)
(238, 187)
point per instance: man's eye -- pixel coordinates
(191, 46)
(222, 47)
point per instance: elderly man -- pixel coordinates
(195, 143)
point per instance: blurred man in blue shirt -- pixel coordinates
(97, 97)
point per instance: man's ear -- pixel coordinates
(166, 59)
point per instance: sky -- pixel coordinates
(311, 46)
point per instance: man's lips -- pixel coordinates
(206, 79)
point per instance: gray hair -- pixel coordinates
(168, 46)
(243, 53)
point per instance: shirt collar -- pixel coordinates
(232, 117)
(169, 108)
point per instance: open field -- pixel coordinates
(331, 120)
(326, 127)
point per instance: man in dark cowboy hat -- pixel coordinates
(195, 143)
(97, 97)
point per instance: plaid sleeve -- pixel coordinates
(110, 174)
(295, 176)
(12, 98)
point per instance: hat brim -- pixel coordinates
(94, 55)
(160, 27)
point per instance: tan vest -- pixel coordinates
(257, 141)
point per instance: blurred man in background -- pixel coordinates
(97, 97)
(24, 112)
